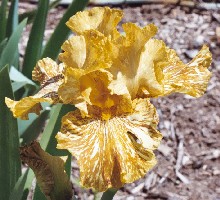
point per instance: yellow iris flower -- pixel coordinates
(110, 77)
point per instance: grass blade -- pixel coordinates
(30, 15)
(109, 194)
(2, 45)
(10, 166)
(17, 192)
(9, 53)
(28, 184)
(34, 46)
(35, 128)
(3, 19)
(12, 22)
(61, 32)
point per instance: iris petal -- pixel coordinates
(101, 19)
(49, 74)
(115, 151)
(191, 78)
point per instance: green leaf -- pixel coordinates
(10, 166)
(3, 19)
(18, 85)
(28, 184)
(35, 128)
(2, 45)
(12, 22)
(35, 42)
(17, 192)
(109, 194)
(61, 32)
(30, 15)
(48, 141)
(19, 81)
(24, 125)
(9, 53)
(17, 76)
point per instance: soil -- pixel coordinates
(189, 156)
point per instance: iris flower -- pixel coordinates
(110, 77)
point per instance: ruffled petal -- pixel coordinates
(22, 108)
(83, 89)
(191, 78)
(49, 74)
(74, 54)
(112, 152)
(141, 70)
(149, 73)
(102, 19)
(90, 51)
(69, 91)
(45, 70)
(136, 37)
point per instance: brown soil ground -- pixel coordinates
(189, 157)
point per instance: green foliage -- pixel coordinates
(49, 143)
(30, 15)
(35, 42)
(9, 53)
(17, 192)
(3, 19)
(10, 166)
(61, 32)
(109, 194)
(12, 22)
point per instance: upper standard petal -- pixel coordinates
(102, 19)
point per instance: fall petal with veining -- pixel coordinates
(115, 151)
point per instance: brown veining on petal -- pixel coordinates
(50, 76)
(46, 69)
(107, 151)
